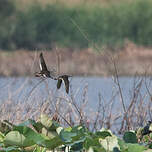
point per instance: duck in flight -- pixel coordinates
(65, 80)
(46, 74)
(43, 69)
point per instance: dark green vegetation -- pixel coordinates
(43, 27)
(49, 135)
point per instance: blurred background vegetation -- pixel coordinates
(41, 24)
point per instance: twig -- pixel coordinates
(58, 60)
(63, 118)
(84, 34)
(118, 84)
(30, 93)
(98, 113)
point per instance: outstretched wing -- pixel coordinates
(66, 82)
(43, 66)
(59, 83)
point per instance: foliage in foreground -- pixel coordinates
(47, 135)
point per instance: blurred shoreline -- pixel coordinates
(129, 60)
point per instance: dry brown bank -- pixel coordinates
(130, 60)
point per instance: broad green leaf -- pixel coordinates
(90, 149)
(1, 137)
(50, 134)
(40, 139)
(68, 129)
(30, 134)
(46, 121)
(150, 135)
(92, 143)
(26, 131)
(135, 148)
(129, 147)
(54, 126)
(130, 137)
(98, 149)
(123, 145)
(150, 127)
(37, 125)
(51, 143)
(14, 138)
(102, 134)
(66, 136)
(109, 143)
(107, 130)
(78, 129)
(73, 136)
(139, 132)
(58, 130)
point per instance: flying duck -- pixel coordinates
(43, 69)
(65, 79)
(46, 74)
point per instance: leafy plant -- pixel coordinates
(30, 136)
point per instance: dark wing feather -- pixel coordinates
(59, 83)
(43, 66)
(66, 82)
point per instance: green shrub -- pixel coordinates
(42, 27)
(6, 8)
(7, 23)
(46, 135)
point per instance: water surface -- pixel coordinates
(88, 88)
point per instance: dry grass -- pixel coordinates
(68, 111)
(130, 60)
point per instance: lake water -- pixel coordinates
(19, 88)
(86, 91)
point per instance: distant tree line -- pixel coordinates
(43, 27)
